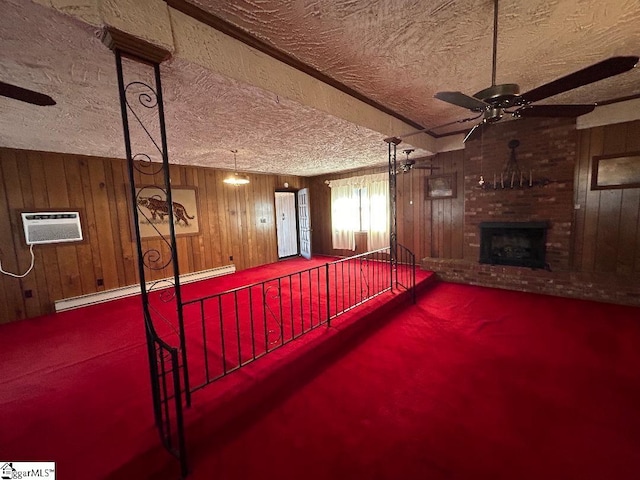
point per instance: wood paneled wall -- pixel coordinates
(432, 228)
(230, 220)
(607, 222)
(605, 230)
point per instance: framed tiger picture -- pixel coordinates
(154, 214)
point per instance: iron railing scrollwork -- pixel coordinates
(144, 131)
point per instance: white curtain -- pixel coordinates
(378, 192)
(345, 210)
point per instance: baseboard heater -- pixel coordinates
(122, 292)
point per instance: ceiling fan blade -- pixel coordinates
(461, 100)
(25, 95)
(554, 110)
(605, 69)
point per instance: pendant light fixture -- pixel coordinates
(236, 178)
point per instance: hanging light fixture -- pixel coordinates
(236, 178)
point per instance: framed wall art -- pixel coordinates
(153, 211)
(615, 171)
(440, 186)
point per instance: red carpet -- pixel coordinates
(469, 383)
(74, 387)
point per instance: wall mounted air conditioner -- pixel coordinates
(51, 227)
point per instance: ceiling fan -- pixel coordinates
(413, 163)
(494, 102)
(25, 95)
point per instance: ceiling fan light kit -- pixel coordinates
(410, 163)
(494, 102)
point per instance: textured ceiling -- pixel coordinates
(396, 52)
(207, 115)
(401, 52)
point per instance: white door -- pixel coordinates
(304, 223)
(286, 231)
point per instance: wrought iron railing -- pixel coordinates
(231, 329)
(167, 395)
(228, 330)
(405, 278)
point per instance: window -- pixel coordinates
(360, 204)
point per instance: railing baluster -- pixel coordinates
(328, 296)
(204, 342)
(413, 283)
(235, 295)
(182, 448)
(311, 309)
(165, 401)
(253, 336)
(342, 285)
(301, 304)
(349, 281)
(264, 315)
(335, 286)
(281, 310)
(224, 355)
(293, 330)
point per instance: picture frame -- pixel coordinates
(153, 218)
(615, 171)
(440, 186)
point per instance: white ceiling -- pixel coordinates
(399, 53)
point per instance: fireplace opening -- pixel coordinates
(520, 244)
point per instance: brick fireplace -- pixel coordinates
(547, 149)
(519, 244)
(591, 239)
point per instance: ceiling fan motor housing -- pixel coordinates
(502, 96)
(493, 114)
(497, 98)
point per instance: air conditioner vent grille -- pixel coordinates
(51, 227)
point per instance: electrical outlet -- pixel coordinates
(28, 293)
(100, 282)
